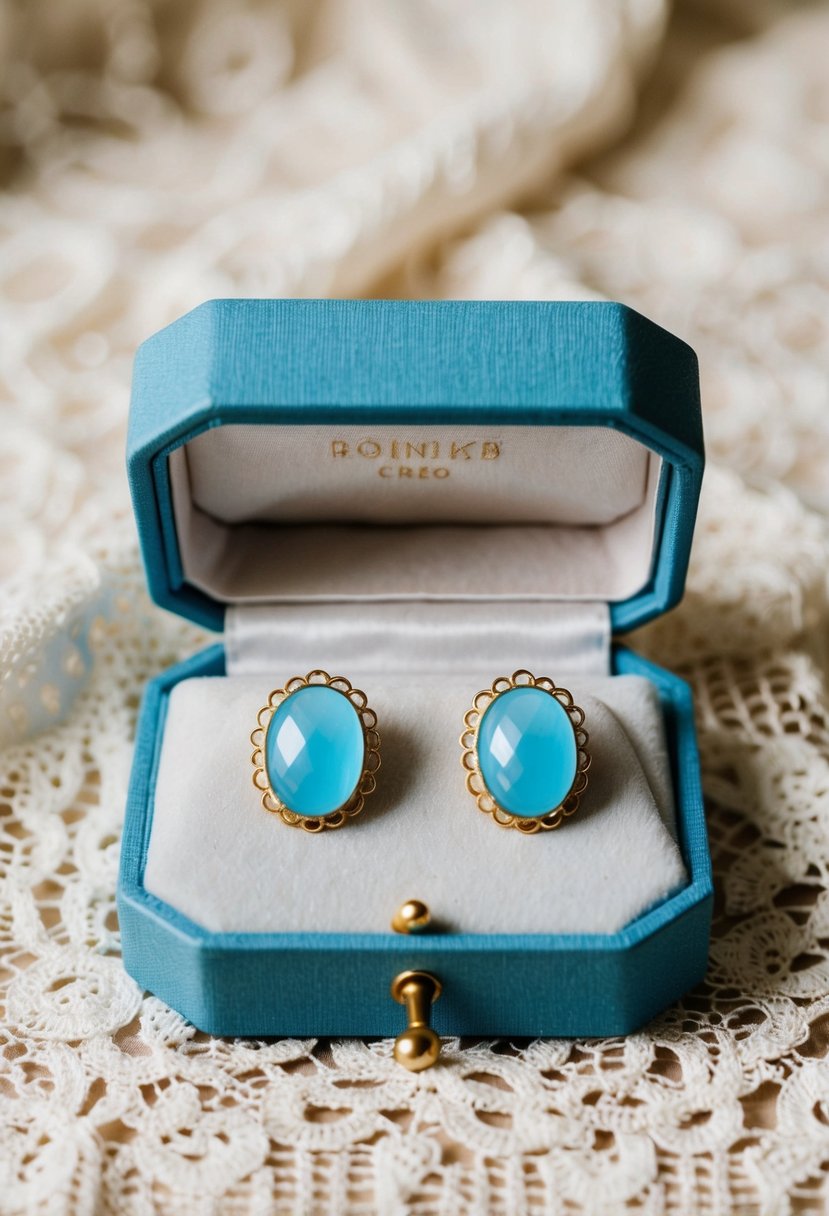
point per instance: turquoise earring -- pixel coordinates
(525, 752)
(316, 752)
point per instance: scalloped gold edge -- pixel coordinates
(371, 757)
(485, 802)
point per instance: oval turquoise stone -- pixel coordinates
(314, 751)
(527, 752)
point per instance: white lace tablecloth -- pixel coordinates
(155, 155)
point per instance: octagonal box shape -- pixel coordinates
(279, 363)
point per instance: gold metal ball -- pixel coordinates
(411, 917)
(417, 1049)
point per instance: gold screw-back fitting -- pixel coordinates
(411, 917)
(418, 1047)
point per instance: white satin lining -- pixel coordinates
(445, 637)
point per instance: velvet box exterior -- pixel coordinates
(280, 363)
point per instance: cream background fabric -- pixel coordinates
(158, 154)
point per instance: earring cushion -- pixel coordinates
(246, 873)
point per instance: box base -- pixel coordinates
(517, 985)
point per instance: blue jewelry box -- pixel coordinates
(425, 496)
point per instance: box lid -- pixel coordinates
(597, 403)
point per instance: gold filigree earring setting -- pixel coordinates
(316, 751)
(525, 752)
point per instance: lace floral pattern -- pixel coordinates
(158, 155)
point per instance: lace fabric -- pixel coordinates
(158, 155)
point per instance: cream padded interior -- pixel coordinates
(329, 556)
(216, 855)
(456, 513)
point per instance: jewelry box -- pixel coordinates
(422, 497)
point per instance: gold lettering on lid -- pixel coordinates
(423, 472)
(369, 448)
(427, 450)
